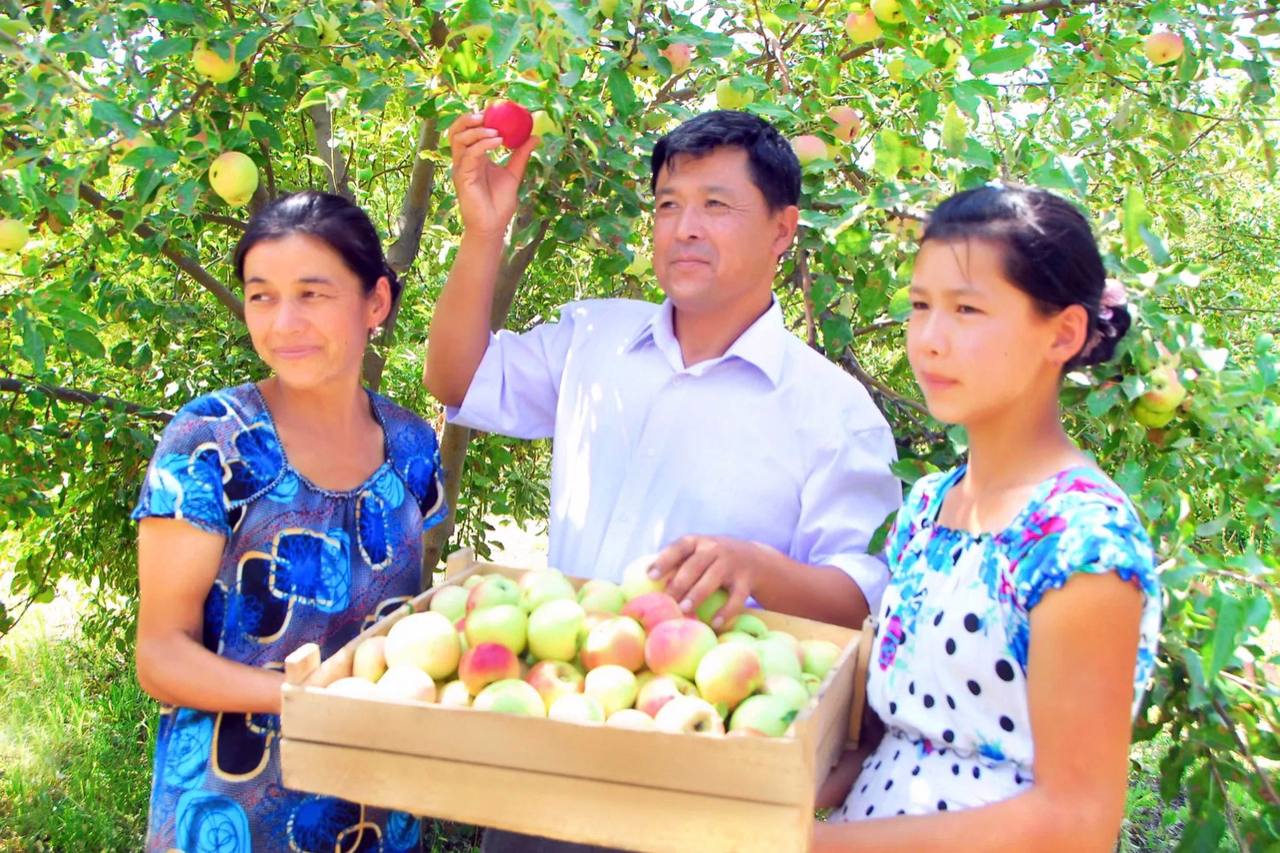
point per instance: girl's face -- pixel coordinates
(307, 313)
(978, 345)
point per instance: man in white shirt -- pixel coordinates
(700, 428)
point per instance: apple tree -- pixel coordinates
(137, 137)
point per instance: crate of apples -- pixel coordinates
(584, 710)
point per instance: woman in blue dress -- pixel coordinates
(274, 514)
(1019, 627)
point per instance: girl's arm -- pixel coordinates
(177, 565)
(1084, 644)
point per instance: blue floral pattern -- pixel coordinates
(951, 646)
(301, 564)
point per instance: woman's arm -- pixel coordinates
(1084, 643)
(177, 565)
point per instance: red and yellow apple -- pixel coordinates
(677, 646)
(510, 696)
(613, 686)
(492, 591)
(600, 595)
(370, 658)
(486, 663)
(618, 640)
(728, 674)
(661, 689)
(451, 601)
(652, 609)
(502, 623)
(768, 715)
(426, 640)
(689, 714)
(406, 683)
(553, 679)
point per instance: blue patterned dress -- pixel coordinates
(301, 564)
(948, 672)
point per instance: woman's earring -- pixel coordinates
(375, 331)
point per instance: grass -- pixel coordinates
(77, 734)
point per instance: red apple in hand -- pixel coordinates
(513, 122)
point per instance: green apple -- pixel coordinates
(353, 685)
(630, 718)
(454, 694)
(576, 708)
(544, 124)
(215, 65)
(768, 715)
(510, 696)
(1151, 418)
(539, 587)
(711, 605)
(792, 690)
(505, 624)
(749, 623)
(370, 658)
(492, 591)
(554, 628)
(728, 674)
(779, 656)
(1165, 392)
(732, 95)
(406, 683)
(426, 640)
(553, 679)
(601, 596)
(449, 601)
(888, 11)
(861, 26)
(819, 656)
(234, 177)
(613, 686)
(636, 580)
(689, 714)
(13, 235)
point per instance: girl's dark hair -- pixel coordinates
(1049, 253)
(331, 218)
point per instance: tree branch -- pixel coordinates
(413, 209)
(74, 395)
(322, 122)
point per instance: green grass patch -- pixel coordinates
(76, 738)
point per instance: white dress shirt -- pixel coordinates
(770, 442)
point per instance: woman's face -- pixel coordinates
(978, 344)
(307, 313)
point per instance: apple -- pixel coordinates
(478, 33)
(474, 581)
(138, 140)
(618, 640)
(426, 640)
(512, 121)
(737, 637)
(652, 609)
(450, 601)
(1151, 418)
(676, 647)
(787, 688)
(234, 177)
(576, 708)
(406, 683)
(661, 689)
(600, 595)
(809, 148)
(749, 623)
(818, 656)
(1165, 391)
(769, 715)
(888, 11)
(810, 681)
(848, 123)
(13, 235)
(679, 55)
(554, 629)
(353, 685)
(455, 695)
(635, 578)
(689, 714)
(212, 65)
(613, 686)
(630, 718)
(780, 655)
(730, 95)
(896, 68)
(728, 674)
(1162, 48)
(711, 605)
(537, 588)
(486, 663)
(370, 659)
(553, 679)
(510, 696)
(492, 591)
(503, 623)
(862, 26)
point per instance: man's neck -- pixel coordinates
(706, 336)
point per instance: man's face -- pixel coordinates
(715, 241)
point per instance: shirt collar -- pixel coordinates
(762, 344)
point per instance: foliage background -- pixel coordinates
(121, 306)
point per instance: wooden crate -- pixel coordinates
(633, 790)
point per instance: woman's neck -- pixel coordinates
(1017, 450)
(338, 411)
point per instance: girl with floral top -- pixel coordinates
(1020, 625)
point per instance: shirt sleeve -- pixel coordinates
(846, 499)
(185, 478)
(516, 388)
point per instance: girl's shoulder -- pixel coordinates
(407, 434)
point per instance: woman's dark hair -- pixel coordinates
(1049, 253)
(773, 165)
(331, 218)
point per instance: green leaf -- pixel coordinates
(568, 11)
(311, 99)
(1104, 400)
(888, 146)
(85, 341)
(116, 116)
(1002, 60)
(165, 48)
(1226, 632)
(1134, 218)
(955, 130)
(624, 97)
(33, 345)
